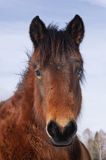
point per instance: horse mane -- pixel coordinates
(55, 44)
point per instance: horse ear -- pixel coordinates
(76, 29)
(37, 30)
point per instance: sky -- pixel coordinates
(15, 18)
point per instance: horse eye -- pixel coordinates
(79, 72)
(38, 74)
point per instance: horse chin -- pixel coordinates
(62, 144)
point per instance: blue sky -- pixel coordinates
(15, 17)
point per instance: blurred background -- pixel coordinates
(15, 17)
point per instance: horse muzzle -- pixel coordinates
(61, 136)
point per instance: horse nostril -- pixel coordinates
(70, 130)
(52, 129)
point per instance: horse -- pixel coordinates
(39, 121)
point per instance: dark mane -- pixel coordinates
(56, 44)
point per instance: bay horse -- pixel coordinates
(39, 122)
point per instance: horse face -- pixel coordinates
(58, 69)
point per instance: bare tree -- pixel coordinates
(96, 144)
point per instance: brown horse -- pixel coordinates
(39, 121)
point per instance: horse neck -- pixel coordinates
(24, 97)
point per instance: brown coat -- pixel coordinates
(23, 140)
(50, 91)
